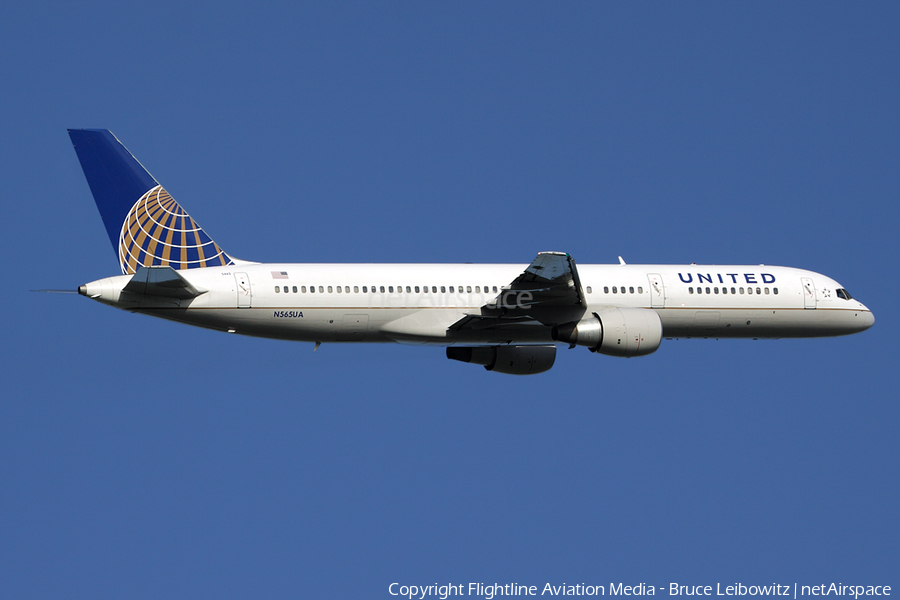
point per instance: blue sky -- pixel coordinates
(144, 459)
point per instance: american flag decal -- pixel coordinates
(279, 275)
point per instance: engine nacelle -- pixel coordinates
(616, 332)
(513, 360)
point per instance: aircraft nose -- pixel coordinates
(868, 319)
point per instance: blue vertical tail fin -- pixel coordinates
(144, 223)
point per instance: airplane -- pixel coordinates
(507, 317)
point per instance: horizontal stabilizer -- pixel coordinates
(161, 281)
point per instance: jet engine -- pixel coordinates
(617, 332)
(513, 360)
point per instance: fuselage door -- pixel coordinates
(809, 292)
(244, 295)
(657, 291)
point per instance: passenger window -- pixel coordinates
(640, 290)
(775, 290)
(338, 289)
(477, 289)
(277, 289)
(614, 290)
(390, 289)
(469, 289)
(408, 290)
(495, 289)
(750, 290)
(732, 290)
(699, 290)
(417, 289)
(294, 289)
(707, 290)
(303, 288)
(329, 289)
(589, 290)
(382, 289)
(355, 289)
(716, 290)
(346, 289)
(690, 290)
(605, 289)
(451, 289)
(757, 290)
(767, 291)
(444, 289)
(742, 290)
(434, 289)
(365, 290)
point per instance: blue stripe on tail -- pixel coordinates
(144, 223)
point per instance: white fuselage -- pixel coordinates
(418, 303)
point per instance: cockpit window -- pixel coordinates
(842, 293)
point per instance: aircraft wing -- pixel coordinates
(547, 292)
(161, 282)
